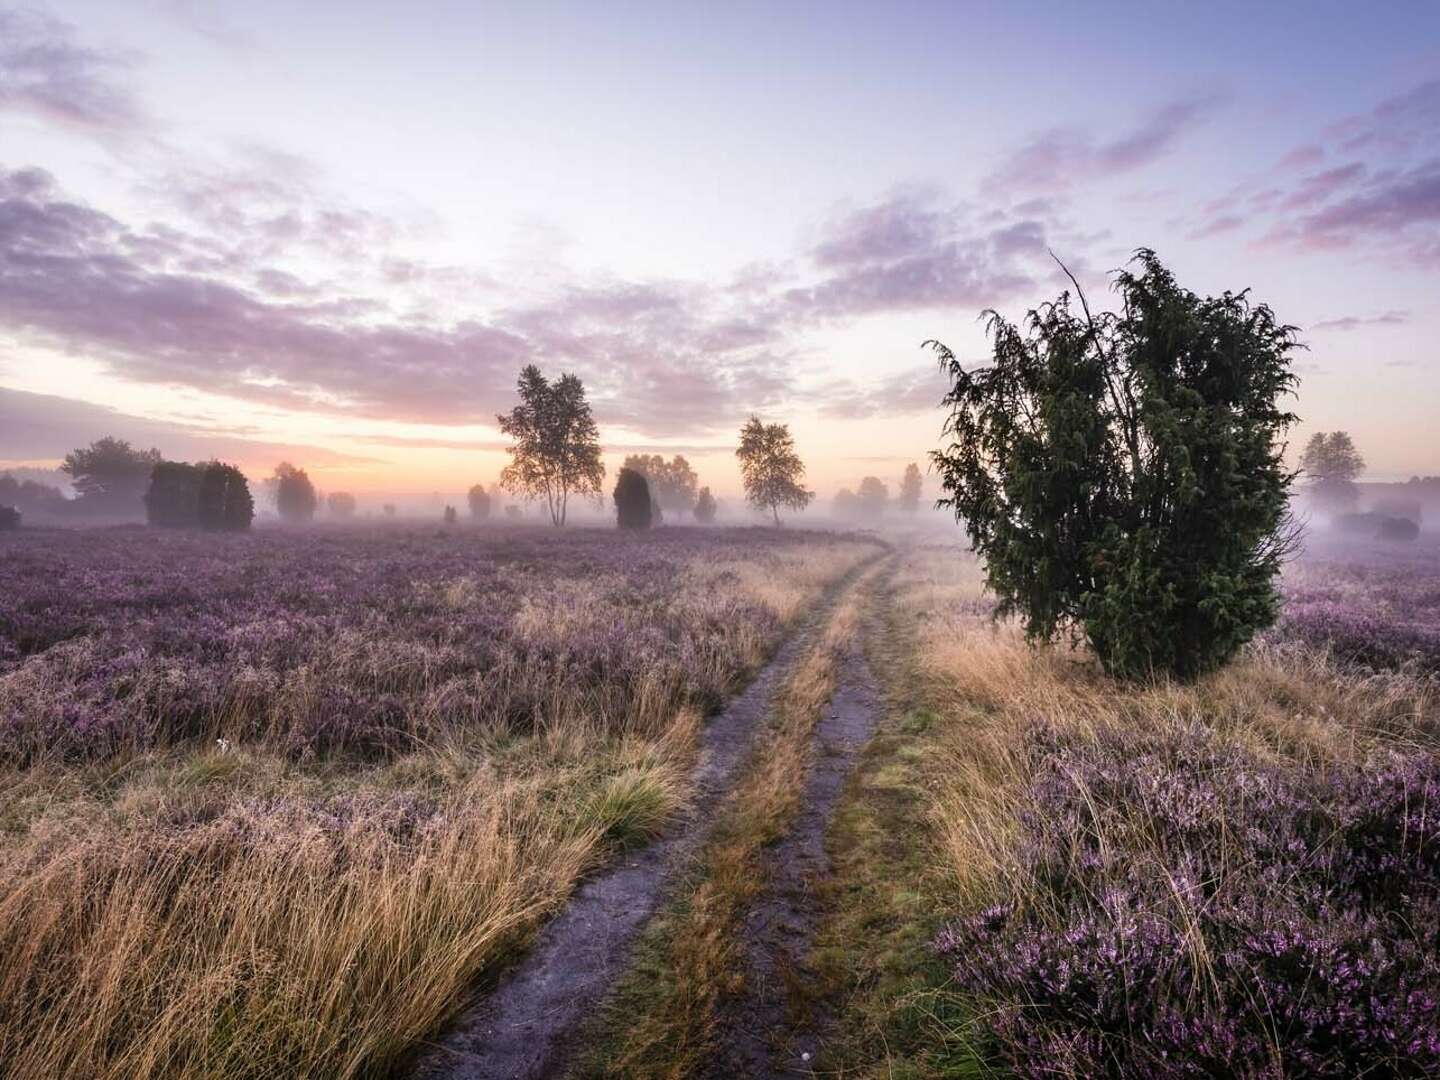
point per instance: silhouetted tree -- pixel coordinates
(1331, 465)
(173, 497)
(672, 483)
(451, 517)
(513, 512)
(341, 504)
(295, 496)
(845, 505)
(771, 468)
(873, 496)
(634, 508)
(705, 507)
(110, 476)
(208, 495)
(479, 500)
(388, 510)
(225, 499)
(1121, 474)
(9, 518)
(910, 489)
(557, 445)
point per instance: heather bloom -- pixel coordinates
(1179, 907)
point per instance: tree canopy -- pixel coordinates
(673, 484)
(341, 504)
(110, 476)
(1121, 474)
(295, 496)
(705, 507)
(556, 452)
(1331, 465)
(479, 500)
(770, 468)
(910, 489)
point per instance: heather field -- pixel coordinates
(1237, 877)
(274, 802)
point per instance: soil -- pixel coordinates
(524, 1027)
(772, 1028)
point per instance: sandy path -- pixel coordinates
(524, 1028)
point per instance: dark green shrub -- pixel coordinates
(209, 495)
(1121, 473)
(173, 497)
(634, 508)
(225, 499)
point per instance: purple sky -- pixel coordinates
(335, 231)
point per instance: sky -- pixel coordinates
(334, 232)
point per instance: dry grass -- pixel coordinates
(1281, 703)
(233, 910)
(695, 953)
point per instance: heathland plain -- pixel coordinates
(283, 803)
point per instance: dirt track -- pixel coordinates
(524, 1028)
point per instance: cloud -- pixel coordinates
(1355, 322)
(1383, 192)
(46, 73)
(902, 394)
(44, 427)
(1062, 157)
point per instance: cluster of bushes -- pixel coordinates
(208, 495)
(1378, 526)
(1180, 907)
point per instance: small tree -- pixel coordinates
(705, 507)
(1331, 464)
(846, 505)
(295, 497)
(479, 500)
(873, 496)
(451, 516)
(341, 504)
(110, 476)
(9, 519)
(1122, 474)
(634, 508)
(557, 445)
(771, 468)
(388, 510)
(910, 489)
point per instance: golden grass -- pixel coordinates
(988, 688)
(229, 911)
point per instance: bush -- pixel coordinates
(451, 517)
(634, 508)
(9, 518)
(207, 495)
(225, 500)
(1182, 907)
(1376, 526)
(1121, 474)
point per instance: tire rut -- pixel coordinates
(523, 1028)
(772, 1028)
